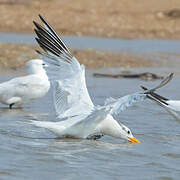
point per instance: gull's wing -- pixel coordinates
(166, 105)
(163, 82)
(71, 96)
(172, 107)
(22, 86)
(121, 104)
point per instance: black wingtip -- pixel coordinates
(144, 88)
(38, 51)
(172, 74)
(35, 23)
(37, 40)
(42, 19)
(157, 99)
(54, 33)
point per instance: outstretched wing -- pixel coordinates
(163, 82)
(71, 96)
(172, 107)
(121, 104)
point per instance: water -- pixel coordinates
(145, 46)
(31, 153)
(156, 49)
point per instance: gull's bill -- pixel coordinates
(77, 116)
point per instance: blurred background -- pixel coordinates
(117, 19)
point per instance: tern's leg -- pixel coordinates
(10, 106)
(95, 136)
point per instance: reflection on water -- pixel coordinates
(29, 152)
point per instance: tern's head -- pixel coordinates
(35, 66)
(112, 128)
(125, 133)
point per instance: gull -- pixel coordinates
(171, 106)
(76, 115)
(26, 89)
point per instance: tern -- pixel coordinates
(77, 116)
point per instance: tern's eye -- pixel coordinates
(128, 132)
(43, 64)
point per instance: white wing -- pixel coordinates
(121, 104)
(71, 87)
(26, 86)
(71, 97)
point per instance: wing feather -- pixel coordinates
(71, 97)
(121, 104)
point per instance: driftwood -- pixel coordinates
(14, 2)
(173, 13)
(147, 76)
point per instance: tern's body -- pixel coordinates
(26, 89)
(77, 128)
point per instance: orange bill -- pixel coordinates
(134, 140)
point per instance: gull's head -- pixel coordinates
(35, 66)
(126, 133)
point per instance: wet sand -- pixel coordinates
(14, 56)
(108, 18)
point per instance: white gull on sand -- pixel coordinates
(26, 89)
(77, 116)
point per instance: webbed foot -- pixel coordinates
(10, 106)
(95, 136)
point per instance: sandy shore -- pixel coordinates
(14, 56)
(109, 18)
(106, 18)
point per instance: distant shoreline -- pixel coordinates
(105, 18)
(14, 56)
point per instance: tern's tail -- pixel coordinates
(54, 127)
(44, 124)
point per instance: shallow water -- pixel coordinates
(146, 46)
(28, 152)
(163, 51)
